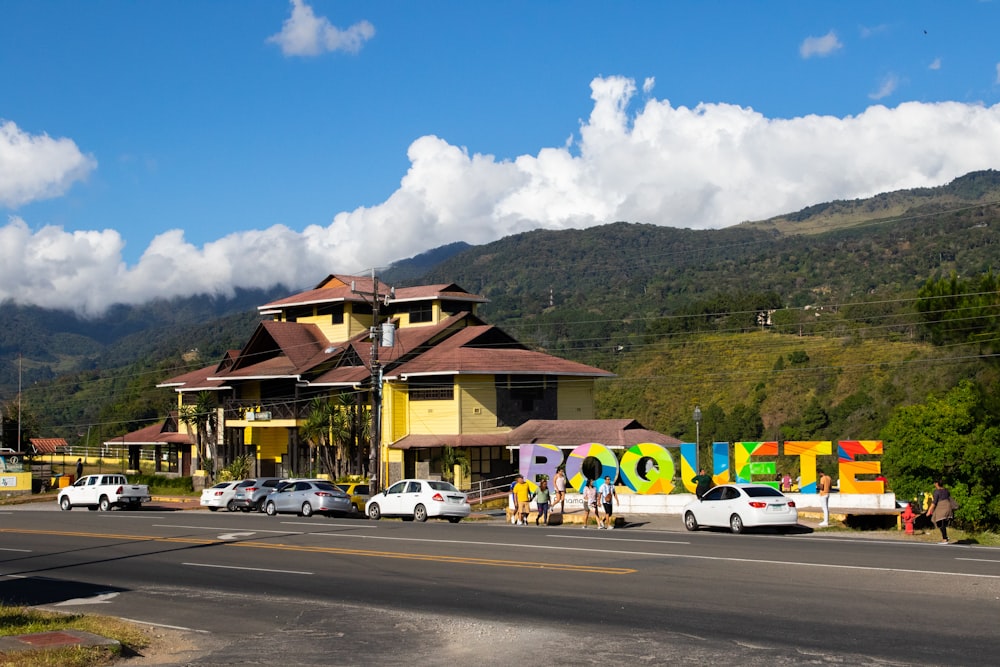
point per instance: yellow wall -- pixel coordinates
(272, 443)
(433, 417)
(477, 398)
(576, 398)
(394, 406)
(15, 481)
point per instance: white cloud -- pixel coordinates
(305, 34)
(886, 88)
(820, 46)
(37, 167)
(935, 64)
(705, 167)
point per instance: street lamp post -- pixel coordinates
(697, 438)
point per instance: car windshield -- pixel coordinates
(762, 492)
(441, 486)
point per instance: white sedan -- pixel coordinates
(220, 495)
(739, 506)
(417, 499)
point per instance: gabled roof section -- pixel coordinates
(336, 288)
(48, 445)
(164, 432)
(449, 291)
(198, 380)
(296, 343)
(485, 349)
(331, 289)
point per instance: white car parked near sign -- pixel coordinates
(418, 499)
(739, 506)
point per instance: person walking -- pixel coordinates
(589, 503)
(825, 484)
(522, 493)
(703, 482)
(941, 510)
(560, 489)
(606, 494)
(542, 498)
(79, 468)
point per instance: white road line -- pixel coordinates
(613, 539)
(27, 551)
(218, 529)
(252, 569)
(752, 561)
(327, 525)
(980, 560)
(164, 625)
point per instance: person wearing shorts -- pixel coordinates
(522, 493)
(560, 489)
(590, 503)
(606, 494)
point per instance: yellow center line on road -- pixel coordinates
(460, 560)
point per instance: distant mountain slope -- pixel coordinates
(979, 187)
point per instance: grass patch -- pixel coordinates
(22, 620)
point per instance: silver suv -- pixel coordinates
(250, 493)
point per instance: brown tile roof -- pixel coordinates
(154, 434)
(338, 288)
(47, 445)
(486, 349)
(562, 433)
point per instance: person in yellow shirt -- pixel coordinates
(522, 493)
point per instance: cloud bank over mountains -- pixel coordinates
(636, 158)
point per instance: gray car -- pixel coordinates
(308, 498)
(250, 493)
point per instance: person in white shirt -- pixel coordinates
(560, 488)
(605, 495)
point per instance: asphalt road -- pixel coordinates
(252, 589)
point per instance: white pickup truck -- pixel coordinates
(103, 492)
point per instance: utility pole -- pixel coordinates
(375, 455)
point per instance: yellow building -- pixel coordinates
(447, 379)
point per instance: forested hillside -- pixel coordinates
(818, 324)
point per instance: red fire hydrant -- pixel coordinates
(908, 517)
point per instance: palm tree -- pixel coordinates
(204, 420)
(327, 430)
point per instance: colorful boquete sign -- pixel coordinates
(649, 468)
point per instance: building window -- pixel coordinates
(431, 389)
(421, 312)
(334, 310)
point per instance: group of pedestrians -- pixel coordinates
(595, 499)
(546, 499)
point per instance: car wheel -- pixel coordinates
(212, 509)
(231, 506)
(420, 513)
(65, 505)
(307, 509)
(454, 519)
(374, 513)
(690, 522)
(270, 509)
(105, 504)
(736, 524)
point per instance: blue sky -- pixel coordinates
(171, 147)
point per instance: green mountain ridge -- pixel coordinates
(623, 296)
